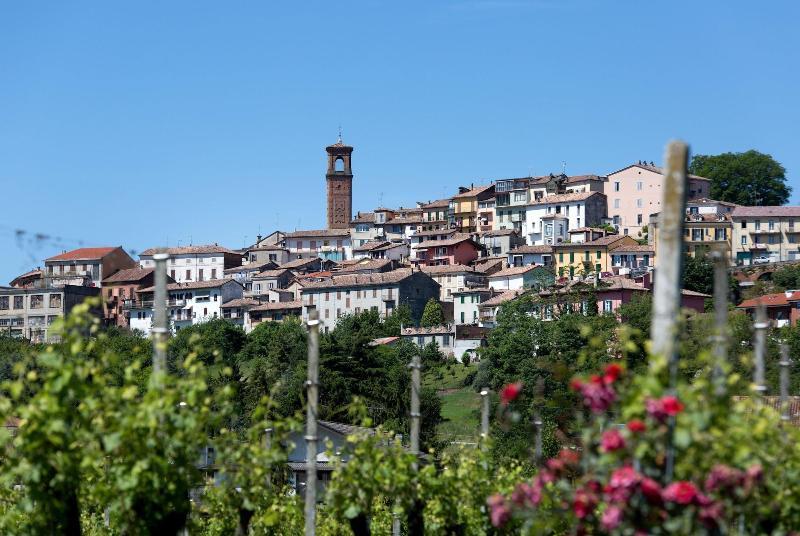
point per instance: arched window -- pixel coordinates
(339, 164)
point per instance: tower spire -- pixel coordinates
(340, 134)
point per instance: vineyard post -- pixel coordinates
(312, 393)
(760, 327)
(415, 388)
(160, 330)
(669, 268)
(484, 414)
(785, 363)
(721, 319)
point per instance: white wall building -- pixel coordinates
(194, 263)
(466, 304)
(550, 218)
(187, 303)
(328, 244)
(455, 278)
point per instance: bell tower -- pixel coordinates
(340, 185)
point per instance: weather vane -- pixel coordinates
(340, 133)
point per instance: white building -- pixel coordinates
(194, 263)
(550, 218)
(513, 278)
(327, 244)
(528, 255)
(455, 278)
(381, 249)
(383, 292)
(187, 303)
(466, 304)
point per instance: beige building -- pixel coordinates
(635, 192)
(464, 207)
(455, 278)
(29, 312)
(765, 234)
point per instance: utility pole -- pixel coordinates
(312, 394)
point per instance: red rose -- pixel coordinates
(584, 502)
(611, 373)
(681, 492)
(612, 517)
(636, 426)
(612, 440)
(594, 378)
(672, 406)
(576, 384)
(651, 490)
(499, 512)
(510, 392)
(569, 456)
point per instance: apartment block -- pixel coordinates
(327, 244)
(29, 312)
(194, 263)
(86, 266)
(454, 278)
(383, 292)
(765, 234)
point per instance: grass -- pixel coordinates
(460, 404)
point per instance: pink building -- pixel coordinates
(635, 192)
(459, 249)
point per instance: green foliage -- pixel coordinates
(786, 278)
(400, 317)
(749, 178)
(432, 315)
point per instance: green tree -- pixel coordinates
(749, 178)
(399, 318)
(786, 278)
(698, 274)
(432, 315)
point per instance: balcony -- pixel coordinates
(137, 304)
(764, 231)
(175, 303)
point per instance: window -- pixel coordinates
(172, 274)
(744, 240)
(758, 225)
(462, 299)
(55, 300)
(616, 203)
(446, 339)
(774, 239)
(744, 224)
(719, 234)
(327, 313)
(374, 293)
(639, 186)
(189, 275)
(313, 244)
(4, 302)
(571, 257)
(561, 257)
(771, 225)
(200, 274)
(586, 256)
(213, 273)
(697, 235)
(420, 340)
(599, 254)
(639, 203)
(616, 186)
(37, 301)
(606, 306)
(216, 297)
(462, 317)
(639, 219)
(520, 197)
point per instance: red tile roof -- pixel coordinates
(131, 274)
(83, 254)
(779, 299)
(190, 250)
(792, 212)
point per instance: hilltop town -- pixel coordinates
(553, 235)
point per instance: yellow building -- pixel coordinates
(708, 225)
(584, 258)
(464, 207)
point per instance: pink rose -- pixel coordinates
(681, 492)
(612, 440)
(499, 512)
(612, 517)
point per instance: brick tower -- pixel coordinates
(340, 185)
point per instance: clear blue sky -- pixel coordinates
(139, 123)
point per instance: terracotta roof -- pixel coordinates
(250, 267)
(37, 273)
(531, 249)
(271, 274)
(587, 229)
(381, 341)
(241, 302)
(439, 203)
(83, 254)
(655, 169)
(474, 191)
(450, 269)
(620, 283)
(707, 201)
(430, 330)
(373, 245)
(374, 264)
(514, 270)
(315, 275)
(404, 220)
(365, 217)
(452, 241)
(191, 285)
(318, 232)
(607, 240)
(435, 232)
(643, 248)
(361, 280)
(502, 298)
(190, 250)
(278, 306)
(564, 198)
(499, 232)
(299, 263)
(779, 299)
(687, 292)
(131, 274)
(271, 247)
(792, 212)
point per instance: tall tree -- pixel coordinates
(749, 178)
(432, 315)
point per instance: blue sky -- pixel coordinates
(145, 123)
